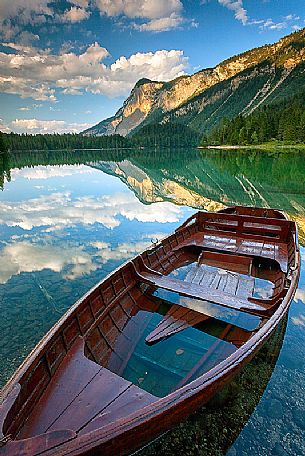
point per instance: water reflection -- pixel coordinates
(69, 218)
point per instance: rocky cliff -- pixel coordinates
(240, 84)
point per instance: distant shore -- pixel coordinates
(257, 146)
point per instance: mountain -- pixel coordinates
(240, 84)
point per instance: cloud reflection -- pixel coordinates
(60, 210)
(26, 257)
(46, 172)
(299, 295)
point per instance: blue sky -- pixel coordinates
(66, 65)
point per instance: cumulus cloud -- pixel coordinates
(27, 11)
(4, 127)
(38, 73)
(58, 209)
(151, 15)
(75, 14)
(155, 15)
(28, 257)
(47, 126)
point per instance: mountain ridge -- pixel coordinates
(239, 84)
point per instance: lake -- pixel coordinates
(69, 218)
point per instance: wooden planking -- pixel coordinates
(38, 444)
(222, 280)
(132, 399)
(198, 291)
(103, 389)
(72, 376)
(175, 314)
(227, 243)
(177, 319)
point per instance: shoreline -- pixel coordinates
(255, 146)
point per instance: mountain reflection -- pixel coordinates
(202, 179)
(262, 178)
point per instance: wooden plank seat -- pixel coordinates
(177, 319)
(82, 396)
(197, 291)
(229, 243)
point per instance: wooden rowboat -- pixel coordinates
(156, 339)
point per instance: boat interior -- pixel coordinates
(162, 320)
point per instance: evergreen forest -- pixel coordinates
(283, 121)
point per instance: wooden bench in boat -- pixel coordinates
(179, 318)
(197, 291)
(218, 286)
(243, 235)
(83, 396)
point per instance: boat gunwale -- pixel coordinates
(234, 362)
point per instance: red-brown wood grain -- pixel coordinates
(64, 401)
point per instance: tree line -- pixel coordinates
(283, 121)
(165, 135)
(149, 136)
(14, 141)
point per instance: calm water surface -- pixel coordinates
(68, 219)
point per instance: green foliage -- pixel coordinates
(282, 121)
(165, 135)
(14, 141)
(149, 136)
(2, 143)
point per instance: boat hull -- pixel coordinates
(118, 298)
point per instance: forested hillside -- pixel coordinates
(282, 121)
(168, 135)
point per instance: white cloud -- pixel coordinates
(162, 24)
(58, 209)
(28, 257)
(47, 126)
(151, 9)
(4, 128)
(27, 11)
(158, 15)
(296, 27)
(29, 108)
(237, 7)
(151, 15)
(75, 15)
(271, 25)
(38, 73)
(291, 17)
